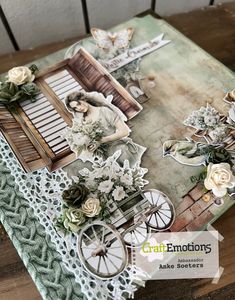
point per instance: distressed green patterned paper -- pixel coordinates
(186, 78)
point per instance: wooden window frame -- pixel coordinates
(51, 160)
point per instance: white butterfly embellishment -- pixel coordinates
(108, 40)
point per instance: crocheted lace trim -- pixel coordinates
(43, 192)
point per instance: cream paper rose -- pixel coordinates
(106, 186)
(91, 207)
(20, 75)
(219, 178)
(119, 193)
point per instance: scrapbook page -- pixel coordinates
(104, 160)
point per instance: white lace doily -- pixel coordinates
(43, 192)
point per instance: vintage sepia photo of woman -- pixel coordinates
(99, 128)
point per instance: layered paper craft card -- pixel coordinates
(115, 142)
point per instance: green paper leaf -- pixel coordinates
(33, 68)
(18, 96)
(5, 95)
(30, 89)
(9, 88)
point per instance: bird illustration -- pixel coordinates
(183, 152)
(191, 153)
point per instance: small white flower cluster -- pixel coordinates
(82, 134)
(204, 118)
(111, 180)
(219, 133)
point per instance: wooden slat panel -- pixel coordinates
(53, 99)
(33, 134)
(96, 78)
(19, 141)
(46, 123)
(62, 87)
(48, 116)
(42, 122)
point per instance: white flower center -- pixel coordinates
(221, 177)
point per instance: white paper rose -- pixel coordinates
(105, 186)
(91, 207)
(119, 193)
(127, 179)
(219, 178)
(20, 75)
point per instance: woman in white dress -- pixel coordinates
(93, 106)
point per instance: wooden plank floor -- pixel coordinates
(214, 30)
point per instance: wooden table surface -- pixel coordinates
(216, 34)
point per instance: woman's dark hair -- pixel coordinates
(80, 96)
(75, 96)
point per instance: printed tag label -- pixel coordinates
(178, 255)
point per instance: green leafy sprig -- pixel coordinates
(200, 177)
